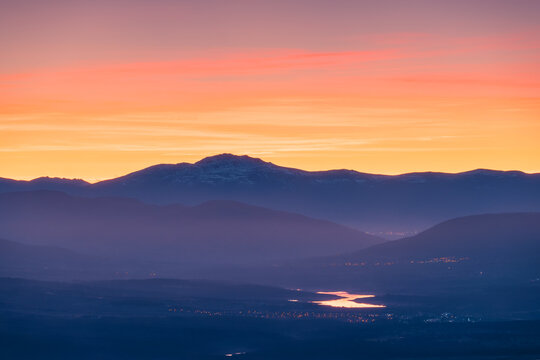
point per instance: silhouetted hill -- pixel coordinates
(217, 232)
(474, 251)
(491, 236)
(376, 203)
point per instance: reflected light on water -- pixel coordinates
(346, 300)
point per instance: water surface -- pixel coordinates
(346, 300)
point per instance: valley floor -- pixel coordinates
(178, 319)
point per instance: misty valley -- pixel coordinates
(234, 257)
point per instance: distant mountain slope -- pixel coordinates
(217, 232)
(490, 236)
(375, 203)
(33, 261)
(472, 251)
(15, 254)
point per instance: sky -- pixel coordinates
(97, 89)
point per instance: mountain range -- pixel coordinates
(215, 232)
(478, 251)
(472, 251)
(381, 204)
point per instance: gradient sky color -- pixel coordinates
(96, 89)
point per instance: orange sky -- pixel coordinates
(411, 96)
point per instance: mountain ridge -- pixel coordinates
(246, 159)
(469, 232)
(470, 252)
(211, 233)
(375, 203)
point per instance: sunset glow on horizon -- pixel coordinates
(97, 89)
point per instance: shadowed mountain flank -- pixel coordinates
(216, 232)
(381, 204)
